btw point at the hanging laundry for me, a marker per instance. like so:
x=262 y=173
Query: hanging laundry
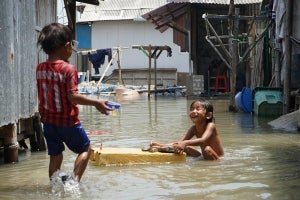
x=98 y=58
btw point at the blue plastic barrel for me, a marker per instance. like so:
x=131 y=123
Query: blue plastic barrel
x=243 y=100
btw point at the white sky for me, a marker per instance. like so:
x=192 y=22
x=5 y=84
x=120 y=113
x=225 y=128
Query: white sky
x=61 y=13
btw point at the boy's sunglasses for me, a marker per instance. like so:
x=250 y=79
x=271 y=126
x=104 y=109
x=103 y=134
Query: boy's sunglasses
x=74 y=45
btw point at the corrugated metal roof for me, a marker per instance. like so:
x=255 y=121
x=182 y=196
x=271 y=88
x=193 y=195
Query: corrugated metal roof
x=133 y=9
x=224 y=2
x=118 y=9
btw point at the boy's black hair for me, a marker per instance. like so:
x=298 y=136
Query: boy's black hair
x=207 y=105
x=54 y=36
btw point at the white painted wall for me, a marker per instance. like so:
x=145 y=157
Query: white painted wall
x=107 y=34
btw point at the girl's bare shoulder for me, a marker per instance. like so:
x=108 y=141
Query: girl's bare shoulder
x=211 y=125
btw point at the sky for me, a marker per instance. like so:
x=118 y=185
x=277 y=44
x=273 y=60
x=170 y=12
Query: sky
x=61 y=13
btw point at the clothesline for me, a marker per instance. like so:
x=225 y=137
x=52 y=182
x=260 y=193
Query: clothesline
x=93 y=51
x=113 y=57
x=97 y=58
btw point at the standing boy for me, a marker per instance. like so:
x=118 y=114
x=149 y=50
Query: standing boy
x=58 y=98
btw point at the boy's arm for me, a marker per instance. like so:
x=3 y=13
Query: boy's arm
x=83 y=100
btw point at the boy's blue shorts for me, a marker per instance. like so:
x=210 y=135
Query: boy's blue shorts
x=74 y=137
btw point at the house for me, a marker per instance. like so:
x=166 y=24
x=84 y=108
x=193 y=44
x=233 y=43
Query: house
x=20 y=24
x=208 y=28
x=247 y=36
x=119 y=23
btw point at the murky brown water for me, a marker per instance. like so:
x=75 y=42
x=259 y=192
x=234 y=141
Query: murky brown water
x=259 y=162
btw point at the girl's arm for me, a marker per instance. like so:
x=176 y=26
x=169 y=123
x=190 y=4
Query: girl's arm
x=158 y=144
x=210 y=129
x=190 y=133
x=180 y=146
x=187 y=136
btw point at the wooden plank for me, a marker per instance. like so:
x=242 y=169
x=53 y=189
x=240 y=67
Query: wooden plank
x=126 y=156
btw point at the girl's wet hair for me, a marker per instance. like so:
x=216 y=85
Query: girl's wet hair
x=54 y=36
x=207 y=105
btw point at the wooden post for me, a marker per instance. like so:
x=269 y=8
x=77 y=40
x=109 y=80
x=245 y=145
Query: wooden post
x=277 y=69
x=70 y=7
x=233 y=41
x=155 y=81
x=288 y=46
x=149 y=71
x=235 y=44
x=231 y=52
x=151 y=55
x=119 y=67
x=252 y=55
x=8 y=132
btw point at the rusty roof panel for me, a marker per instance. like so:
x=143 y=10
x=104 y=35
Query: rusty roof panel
x=163 y=15
x=94 y=2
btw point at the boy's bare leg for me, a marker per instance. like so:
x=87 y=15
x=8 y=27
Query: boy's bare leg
x=191 y=151
x=81 y=163
x=55 y=163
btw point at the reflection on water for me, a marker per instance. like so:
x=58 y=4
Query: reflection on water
x=259 y=162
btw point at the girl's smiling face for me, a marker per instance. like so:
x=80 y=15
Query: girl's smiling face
x=197 y=112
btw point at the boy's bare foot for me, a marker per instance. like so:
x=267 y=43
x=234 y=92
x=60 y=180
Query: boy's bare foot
x=166 y=149
x=163 y=149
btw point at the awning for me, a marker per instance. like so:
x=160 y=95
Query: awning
x=166 y=16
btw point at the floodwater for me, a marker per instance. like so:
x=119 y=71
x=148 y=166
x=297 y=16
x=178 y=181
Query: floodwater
x=259 y=162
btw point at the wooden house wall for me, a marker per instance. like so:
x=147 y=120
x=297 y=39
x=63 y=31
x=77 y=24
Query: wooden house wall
x=180 y=38
x=19 y=56
x=202 y=53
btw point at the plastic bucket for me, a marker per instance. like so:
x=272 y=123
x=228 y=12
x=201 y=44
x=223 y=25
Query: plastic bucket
x=81 y=77
x=267 y=101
